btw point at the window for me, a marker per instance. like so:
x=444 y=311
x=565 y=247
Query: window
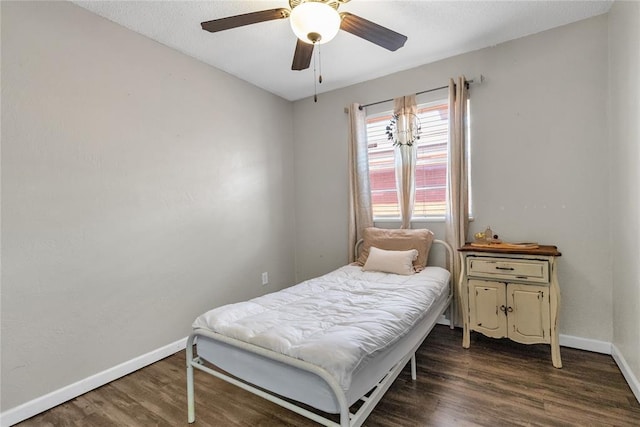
x=431 y=165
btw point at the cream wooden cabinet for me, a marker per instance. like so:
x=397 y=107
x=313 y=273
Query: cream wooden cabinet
x=511 y=294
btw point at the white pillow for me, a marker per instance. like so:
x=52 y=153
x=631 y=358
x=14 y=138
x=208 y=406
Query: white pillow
x=398 y=262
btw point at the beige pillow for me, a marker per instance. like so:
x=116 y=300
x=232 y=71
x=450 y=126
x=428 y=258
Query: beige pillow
x=398 y=262
x=397 y=240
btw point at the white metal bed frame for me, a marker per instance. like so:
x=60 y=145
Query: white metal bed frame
x=347 y=419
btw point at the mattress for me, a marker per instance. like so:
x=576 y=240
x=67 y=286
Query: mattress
x=356 y=325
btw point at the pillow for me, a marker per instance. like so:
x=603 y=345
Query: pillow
x=397 y=240
x=398 y=262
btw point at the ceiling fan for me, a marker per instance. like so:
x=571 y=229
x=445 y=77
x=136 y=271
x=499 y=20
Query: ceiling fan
x=314 y=22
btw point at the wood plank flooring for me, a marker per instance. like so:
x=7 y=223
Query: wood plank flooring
x=494 y=383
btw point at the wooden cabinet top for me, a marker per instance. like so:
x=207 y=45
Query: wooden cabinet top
x=545 y=250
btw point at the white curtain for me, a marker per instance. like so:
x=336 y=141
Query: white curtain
x=360 y=213
x=405 y=156
x=457 y=214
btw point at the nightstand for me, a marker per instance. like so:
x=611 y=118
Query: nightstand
x=511 y=293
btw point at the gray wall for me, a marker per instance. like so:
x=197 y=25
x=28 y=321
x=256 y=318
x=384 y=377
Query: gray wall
x=140 y=187
x=538 y=158
x=624 y=47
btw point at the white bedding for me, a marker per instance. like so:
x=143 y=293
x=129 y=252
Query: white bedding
x=336 y=321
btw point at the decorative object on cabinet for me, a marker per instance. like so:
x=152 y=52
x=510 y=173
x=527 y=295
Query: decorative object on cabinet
x=511 y=291
x=486 y=237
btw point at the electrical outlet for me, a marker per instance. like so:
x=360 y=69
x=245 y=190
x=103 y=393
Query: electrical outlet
x=265 y=278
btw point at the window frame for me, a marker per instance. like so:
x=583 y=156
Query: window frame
x=384 y=110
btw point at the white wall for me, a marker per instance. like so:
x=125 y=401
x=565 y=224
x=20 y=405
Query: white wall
x=140 y=187
x=539 y=159
x=624 y=48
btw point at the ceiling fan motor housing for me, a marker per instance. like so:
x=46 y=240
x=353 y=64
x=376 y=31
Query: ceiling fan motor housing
x=333 y=3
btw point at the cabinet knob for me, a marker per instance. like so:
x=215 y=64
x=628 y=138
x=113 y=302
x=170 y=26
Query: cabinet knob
x=505 y=309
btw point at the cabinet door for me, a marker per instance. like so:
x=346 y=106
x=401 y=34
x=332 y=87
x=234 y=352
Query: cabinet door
x=485 y=315
x=528 y=313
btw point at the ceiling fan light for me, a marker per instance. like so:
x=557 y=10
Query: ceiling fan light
x=314 y=19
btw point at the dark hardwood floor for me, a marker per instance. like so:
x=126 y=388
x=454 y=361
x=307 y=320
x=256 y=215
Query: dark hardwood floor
x=494 y=383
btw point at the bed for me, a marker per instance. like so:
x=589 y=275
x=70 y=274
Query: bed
x=329 y=342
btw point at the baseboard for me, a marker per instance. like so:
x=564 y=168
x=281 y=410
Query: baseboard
x=48 y=401
x=443 y=320
x=585 y=344
x=628 y=374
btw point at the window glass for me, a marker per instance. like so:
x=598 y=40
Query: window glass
x=431 y=166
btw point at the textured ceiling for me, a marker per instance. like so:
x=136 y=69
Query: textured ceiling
x=261 y=53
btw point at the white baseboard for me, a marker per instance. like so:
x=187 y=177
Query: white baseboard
x=628 y=374
x=585 y=344
x=48 y=401
x=443 y=320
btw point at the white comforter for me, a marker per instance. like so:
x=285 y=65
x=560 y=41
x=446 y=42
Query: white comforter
x=334 y=321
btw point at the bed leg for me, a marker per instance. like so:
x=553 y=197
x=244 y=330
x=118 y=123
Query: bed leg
x=452 y=315
x=345 y=420
x=191 y=405
x=414 y=374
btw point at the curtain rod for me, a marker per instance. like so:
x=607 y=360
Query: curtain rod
x=468 y=82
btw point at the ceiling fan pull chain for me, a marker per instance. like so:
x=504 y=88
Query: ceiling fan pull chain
x=315 y=85
x=320 y=64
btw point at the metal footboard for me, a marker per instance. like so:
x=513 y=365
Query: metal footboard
x=197 y=363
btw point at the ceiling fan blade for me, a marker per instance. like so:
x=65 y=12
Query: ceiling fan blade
x=302 y=56
x=372 y=32
x=245 y=19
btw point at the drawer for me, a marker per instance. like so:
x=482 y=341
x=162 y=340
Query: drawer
x=521 y=270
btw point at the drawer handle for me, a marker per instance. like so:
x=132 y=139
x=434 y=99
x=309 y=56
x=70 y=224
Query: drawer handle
x=505 y=268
